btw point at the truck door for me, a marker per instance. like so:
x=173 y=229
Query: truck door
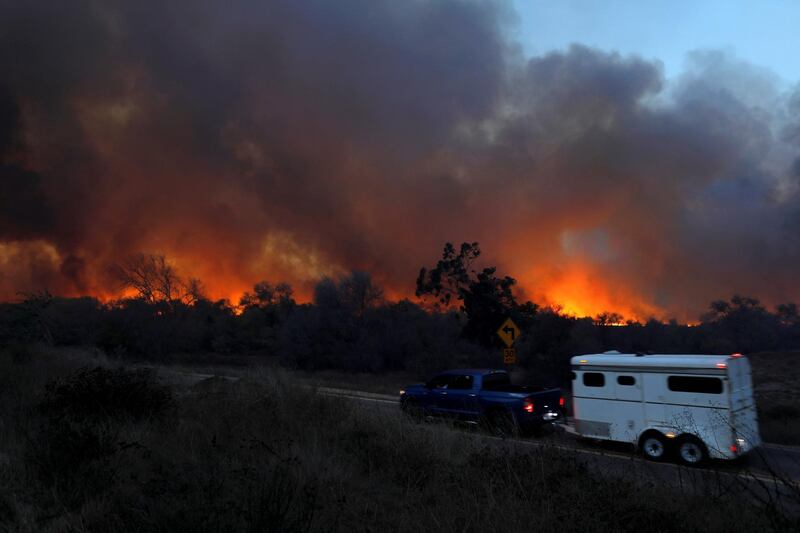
x=462 y=396
x=439 y=392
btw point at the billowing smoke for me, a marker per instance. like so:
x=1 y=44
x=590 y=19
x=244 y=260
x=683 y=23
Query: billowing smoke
x=287 y=140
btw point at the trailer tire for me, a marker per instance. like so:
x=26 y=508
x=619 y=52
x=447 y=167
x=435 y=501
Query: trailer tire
x=653 y=446
x=691 y=451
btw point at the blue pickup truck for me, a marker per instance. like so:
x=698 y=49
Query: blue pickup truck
x=486 y=397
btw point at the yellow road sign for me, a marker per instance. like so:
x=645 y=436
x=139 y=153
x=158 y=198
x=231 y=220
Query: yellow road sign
x=508 y=332
x=509 y=356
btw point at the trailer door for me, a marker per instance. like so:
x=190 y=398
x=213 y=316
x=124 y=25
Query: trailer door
x=744 y=418
x=655 y=398
x=628 y=408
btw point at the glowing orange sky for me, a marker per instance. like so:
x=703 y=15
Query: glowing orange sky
x=291 y=140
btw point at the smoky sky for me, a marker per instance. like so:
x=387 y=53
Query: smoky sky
x=289 y=140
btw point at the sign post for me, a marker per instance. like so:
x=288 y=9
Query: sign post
x=509 y=332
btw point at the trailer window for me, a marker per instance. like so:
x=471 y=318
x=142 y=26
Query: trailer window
x=626 y=380
x=694 y=384
x=594 y=379
x=461 y=382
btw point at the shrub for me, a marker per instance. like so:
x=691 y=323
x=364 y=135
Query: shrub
x=72 y=459
x=99 y=392
x=268 y=455
x=73 y=443
x=21 y=352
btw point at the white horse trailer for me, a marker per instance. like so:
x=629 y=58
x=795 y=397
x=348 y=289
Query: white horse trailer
x=699 y=406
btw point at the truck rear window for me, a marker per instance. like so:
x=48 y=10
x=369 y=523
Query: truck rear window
x=694 y=384
x=594 y=379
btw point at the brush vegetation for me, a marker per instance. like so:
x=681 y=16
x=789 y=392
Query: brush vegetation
x=87 y=446
x=349 y=329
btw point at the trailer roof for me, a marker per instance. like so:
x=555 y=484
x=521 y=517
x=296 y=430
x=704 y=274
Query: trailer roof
x=654 y=360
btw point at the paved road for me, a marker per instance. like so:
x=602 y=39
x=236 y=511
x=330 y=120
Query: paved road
x=770 y=472
x=769 y=464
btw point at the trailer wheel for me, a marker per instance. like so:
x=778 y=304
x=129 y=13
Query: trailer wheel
x=653 y=446
x=691 y=451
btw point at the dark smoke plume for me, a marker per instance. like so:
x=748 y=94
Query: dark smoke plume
x=286 y=140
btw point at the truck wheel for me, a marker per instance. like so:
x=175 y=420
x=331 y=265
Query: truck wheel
x=412 y=410
x=691 y=451
x=502 y=424
x=654 y=447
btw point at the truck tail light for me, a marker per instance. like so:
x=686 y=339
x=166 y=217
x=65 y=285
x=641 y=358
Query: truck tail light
x=527 y=405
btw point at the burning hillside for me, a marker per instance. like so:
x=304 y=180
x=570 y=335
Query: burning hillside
x=288 y=140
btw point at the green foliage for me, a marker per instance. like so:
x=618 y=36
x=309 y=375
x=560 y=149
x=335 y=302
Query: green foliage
x=451 y=276
x=486 y=299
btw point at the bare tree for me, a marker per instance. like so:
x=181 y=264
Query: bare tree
x=193 y=291
x=151 y=276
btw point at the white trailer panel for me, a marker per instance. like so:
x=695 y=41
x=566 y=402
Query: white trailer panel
x=701 y=404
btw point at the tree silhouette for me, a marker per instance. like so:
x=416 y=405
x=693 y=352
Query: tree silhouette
x=608 y=319
x=352 y=294
x=743 y=324
x=485 y=298
x=155 y=279
x=265 y=294
x=788 y=314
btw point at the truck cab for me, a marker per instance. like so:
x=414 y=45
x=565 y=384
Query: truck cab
x=485 y=396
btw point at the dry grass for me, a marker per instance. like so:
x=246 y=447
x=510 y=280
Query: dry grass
x=776 y=380
x=776 y=377
x=262 y=454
